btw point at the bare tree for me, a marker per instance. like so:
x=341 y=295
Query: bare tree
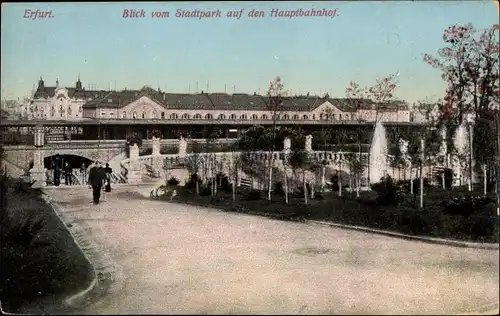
x=276 y=95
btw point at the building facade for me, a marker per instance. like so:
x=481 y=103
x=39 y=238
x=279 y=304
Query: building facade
x=76 y=103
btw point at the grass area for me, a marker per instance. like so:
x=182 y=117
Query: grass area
x=40 y=261
x=439 y=218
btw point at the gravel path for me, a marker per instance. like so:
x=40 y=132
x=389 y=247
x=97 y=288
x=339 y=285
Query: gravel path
x=173 y=259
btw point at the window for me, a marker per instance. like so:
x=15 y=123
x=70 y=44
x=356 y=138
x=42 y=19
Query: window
x=111 y=114
x=340 y=117
x=334 y=116
x=153 y=114
x=254 y=117
x=296 y=117
x=264 y=117
x=124 y=115
x=197 y=116
x=208 y=117
x=134 y=115
x=103 y=114
x=186 y=116
x=314 y=116
x=222 y=116
x=143 y=115
x=243 y=117
x=353 y=117
x=162 y=115
x=286 y=117
x=233 y=116
x=173 y=116
x=323 y=116
x=304 y=117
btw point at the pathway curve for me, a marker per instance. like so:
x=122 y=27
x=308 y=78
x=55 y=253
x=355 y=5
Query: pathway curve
x=172 y=259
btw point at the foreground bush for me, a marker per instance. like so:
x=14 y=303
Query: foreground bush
x=39 y=258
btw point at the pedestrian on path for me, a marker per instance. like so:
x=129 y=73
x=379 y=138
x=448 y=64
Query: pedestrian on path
x=108 y=172
x=96 y=181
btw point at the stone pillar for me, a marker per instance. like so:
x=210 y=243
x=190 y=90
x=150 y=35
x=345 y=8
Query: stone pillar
x=134 y=175
x=156 y=146
x=157 y=162
x=182 y=148
x=308 y=146
x=287 y=145
x=37 y=173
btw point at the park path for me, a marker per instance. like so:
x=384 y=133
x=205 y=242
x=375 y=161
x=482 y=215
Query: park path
x=175 y=259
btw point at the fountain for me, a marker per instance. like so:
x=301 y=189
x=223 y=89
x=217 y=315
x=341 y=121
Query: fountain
x=378 y=154
x=460 y=142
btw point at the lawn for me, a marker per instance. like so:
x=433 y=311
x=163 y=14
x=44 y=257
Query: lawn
x=443 y=215
x=40 y=262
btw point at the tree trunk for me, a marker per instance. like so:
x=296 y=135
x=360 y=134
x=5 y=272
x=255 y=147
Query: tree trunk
x=323 y=175
x=485 y=183
x=358 y=184
x=340 y=178
x=270 y=183
x=304 y=185
x=411 y=178
x=286 y=186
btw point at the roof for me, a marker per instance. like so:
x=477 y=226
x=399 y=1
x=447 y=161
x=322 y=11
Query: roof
x=207 y=101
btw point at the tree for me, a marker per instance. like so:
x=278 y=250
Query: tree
x=193 y=163
x=376 y=97
x=276 y=95
x=298 y=161
x=469 y=64
x=211 y=133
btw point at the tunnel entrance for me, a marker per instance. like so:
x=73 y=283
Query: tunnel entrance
x=60 y=160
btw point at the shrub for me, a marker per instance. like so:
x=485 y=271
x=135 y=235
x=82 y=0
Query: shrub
x=253 y=195
x=191 y=183
x=335 y=183
x=206 y=189
x=173 y=181
x=278 y=189
x=387 y=191
x=466 y=205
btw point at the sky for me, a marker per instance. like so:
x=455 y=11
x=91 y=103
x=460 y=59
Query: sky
x=364 y=41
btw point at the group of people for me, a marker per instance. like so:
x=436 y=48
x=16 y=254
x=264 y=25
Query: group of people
x=65 y=172
x=99 y=177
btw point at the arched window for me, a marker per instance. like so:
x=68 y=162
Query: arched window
x=233 y=116
x=353 y=117
x=124 y=115
x=222 y=116
x=208 y=116
x=295 y=116
x=285 y=116
x=143 y=115
x=134 y=115
x=197 y=116
x=162 y=115
x=304 y=117
x=173 y=116
x=254 y=117
x=264 y=117
x=340 y=117
x=314 y=116
x=243 y=117
x=153 y=114
x=186 y=116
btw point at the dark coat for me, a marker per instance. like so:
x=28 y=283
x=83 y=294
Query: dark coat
x=96 y=176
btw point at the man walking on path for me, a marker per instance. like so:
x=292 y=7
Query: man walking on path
x=96 y=181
